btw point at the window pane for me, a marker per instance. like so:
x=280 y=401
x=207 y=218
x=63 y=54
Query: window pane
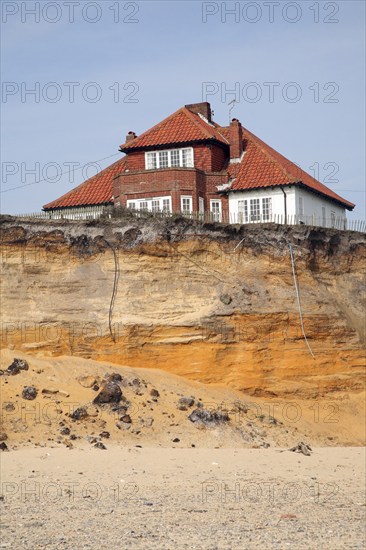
x=174 y=157
x=155 y=205
x=150 y=161
x=186 y=204
x=216 y=210
x=166 y=205
x=243 y=211
x=144 y=205
x=163 y=159
x=266 y=208
x=187 y=157
x=132 y=205
x=254 y=210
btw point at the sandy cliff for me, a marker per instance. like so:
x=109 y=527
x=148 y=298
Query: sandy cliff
x=213 y=304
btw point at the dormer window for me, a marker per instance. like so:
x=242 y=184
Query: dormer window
x=169 y=158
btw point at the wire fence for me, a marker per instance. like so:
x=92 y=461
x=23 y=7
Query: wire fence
x=96 y=212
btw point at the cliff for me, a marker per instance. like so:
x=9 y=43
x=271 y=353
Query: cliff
x=216 y=304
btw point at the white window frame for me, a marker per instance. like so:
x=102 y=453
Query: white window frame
x=156 y=164
x=189 y=198
x=136 y=204
x=243 y=216
x=266 y=217
x=255 y=212
x=244 y=210
x=216 y=215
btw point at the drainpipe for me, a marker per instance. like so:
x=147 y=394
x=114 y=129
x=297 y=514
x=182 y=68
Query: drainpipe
x=285 y=202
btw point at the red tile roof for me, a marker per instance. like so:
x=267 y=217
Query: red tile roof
x=262 y=166
x=95 y=190
x=181 y=127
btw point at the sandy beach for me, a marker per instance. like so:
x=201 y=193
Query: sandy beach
x=183 y=498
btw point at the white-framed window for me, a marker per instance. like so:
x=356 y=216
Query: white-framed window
x=243 y=211
x=266 y=209
x=169 y=158
x=163 y=159
x=155 y=204
x=255 y=211
x=187 y=157
x=174 y=157
x=150 y=161
x=186 y=204
x=215 y=209
x=167 y=205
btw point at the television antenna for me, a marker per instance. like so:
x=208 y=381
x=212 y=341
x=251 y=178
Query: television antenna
x=232 y=103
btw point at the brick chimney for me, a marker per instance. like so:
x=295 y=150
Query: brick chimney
x=236 y=139
x=201 y=109
x=130 y=136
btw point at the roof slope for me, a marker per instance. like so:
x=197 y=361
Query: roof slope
x=95 y=190
x=181 y=127
x=262 y=166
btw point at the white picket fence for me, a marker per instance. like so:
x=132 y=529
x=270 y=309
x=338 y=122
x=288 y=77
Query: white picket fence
x=82 y=213
x=95 y=212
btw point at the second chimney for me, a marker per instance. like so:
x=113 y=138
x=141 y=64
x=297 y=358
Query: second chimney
x=203 y=109
x=130 y=136
x=236 y=139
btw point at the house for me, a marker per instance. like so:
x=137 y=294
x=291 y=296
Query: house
x=188 y=163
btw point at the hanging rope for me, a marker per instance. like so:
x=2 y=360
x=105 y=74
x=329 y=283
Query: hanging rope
x=298 y=301
x=114 y=291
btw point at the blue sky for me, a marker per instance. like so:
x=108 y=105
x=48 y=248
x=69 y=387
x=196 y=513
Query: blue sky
x=134 y=63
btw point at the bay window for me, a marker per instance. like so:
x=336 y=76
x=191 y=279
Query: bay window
x=156 y=204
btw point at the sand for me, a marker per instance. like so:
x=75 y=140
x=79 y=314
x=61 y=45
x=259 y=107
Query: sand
x=331 y=420
x=183 y=498
x=164 y=482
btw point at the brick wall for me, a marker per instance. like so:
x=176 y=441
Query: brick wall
x=200 y=181
x=172 y=182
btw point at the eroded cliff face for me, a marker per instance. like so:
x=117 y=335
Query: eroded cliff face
x=214 y=304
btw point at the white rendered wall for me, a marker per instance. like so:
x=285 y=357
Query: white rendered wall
x=312 y=205
x=277 y=196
